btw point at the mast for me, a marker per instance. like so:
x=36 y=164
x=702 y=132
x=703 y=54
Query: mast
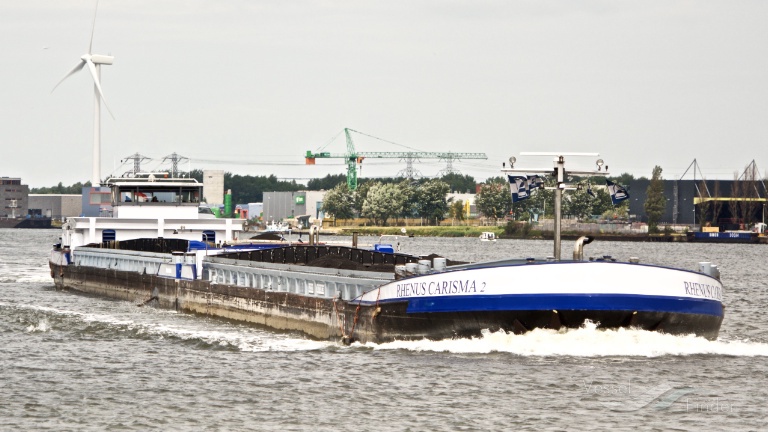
x=560 y=175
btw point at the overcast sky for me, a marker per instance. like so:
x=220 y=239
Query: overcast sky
x=259 y=83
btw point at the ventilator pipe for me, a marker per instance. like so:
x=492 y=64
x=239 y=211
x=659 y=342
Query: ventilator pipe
x=578 y=248
x=314 y=235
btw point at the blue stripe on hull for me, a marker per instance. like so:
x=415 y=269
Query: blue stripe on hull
x=565 y=302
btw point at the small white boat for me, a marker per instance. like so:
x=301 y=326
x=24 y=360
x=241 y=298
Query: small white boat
x=488 y=237
x=277 y=227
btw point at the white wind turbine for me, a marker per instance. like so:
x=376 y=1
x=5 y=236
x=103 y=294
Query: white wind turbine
x=94 y=62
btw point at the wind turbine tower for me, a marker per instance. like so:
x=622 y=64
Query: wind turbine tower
x=94 y=62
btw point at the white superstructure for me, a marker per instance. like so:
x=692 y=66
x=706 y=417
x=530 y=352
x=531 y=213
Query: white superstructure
x=151 y=206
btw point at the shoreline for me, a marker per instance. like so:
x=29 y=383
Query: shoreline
x=475 y=231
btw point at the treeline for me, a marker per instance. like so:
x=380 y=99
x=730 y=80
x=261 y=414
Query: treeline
x=493 y=201
x=457 y=183
x=76 y=189
x=248 y=189
x=381 y=202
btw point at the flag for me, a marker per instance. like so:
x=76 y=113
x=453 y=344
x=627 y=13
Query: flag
x=618 y=192
x=518 y=188
x=535 y=182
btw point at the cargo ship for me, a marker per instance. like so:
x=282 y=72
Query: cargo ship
x=159 y=252
x=713 y=235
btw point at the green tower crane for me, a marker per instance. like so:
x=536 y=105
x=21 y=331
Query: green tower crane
x=353 y=158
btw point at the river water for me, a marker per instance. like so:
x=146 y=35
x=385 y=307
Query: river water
x=73 y=362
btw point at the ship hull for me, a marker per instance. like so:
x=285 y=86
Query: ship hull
x=724 y=237
x=386 y=319
x=36 y=223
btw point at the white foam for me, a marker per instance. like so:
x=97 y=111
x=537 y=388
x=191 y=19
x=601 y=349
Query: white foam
x=34 y=278
x=247 y=339
x=244 y=339
x=26 y=274
x=587 y=341
x=42 y=326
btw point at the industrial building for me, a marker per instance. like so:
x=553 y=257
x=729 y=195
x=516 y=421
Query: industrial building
x=729 y=204
x=55 y=206
x=213 y=187
x=284 y=205
x=13 y=198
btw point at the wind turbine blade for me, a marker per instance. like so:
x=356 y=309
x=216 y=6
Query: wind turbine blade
x=93 y=27
x=95 y=75
x=74 y=70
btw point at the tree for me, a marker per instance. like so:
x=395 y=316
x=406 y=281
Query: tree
x=382 y=202
x=410 y=199
x=76 y=189
x=430 y=202
x=541 y=202
x=717 y=205
x=623 y=179
x=456 y=210
x=360 y=194
x=247 y=188
x=494 y=199
x=602 y=204
x=655 y=201
x=704 y=208
x=578 y=204
x=744 y=196
x=328 y=182
x=339 y=202
x=459 y=183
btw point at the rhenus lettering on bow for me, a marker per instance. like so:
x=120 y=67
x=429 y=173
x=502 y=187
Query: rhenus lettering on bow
x=439 y=288
x=703 y=290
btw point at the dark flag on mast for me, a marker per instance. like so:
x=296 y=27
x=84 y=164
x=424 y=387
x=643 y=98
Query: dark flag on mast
x=535 y=182
x=618 y=192
x=518 y=187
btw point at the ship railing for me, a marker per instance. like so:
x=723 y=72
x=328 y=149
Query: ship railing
x=291 y=278
x=123 y=260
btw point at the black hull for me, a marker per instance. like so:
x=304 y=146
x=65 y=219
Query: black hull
x=393 y=322
x=35 y=223
x=698 y=237
x=342 y=320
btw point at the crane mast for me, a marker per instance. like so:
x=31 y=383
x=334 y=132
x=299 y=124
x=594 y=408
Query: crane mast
x=353 y=158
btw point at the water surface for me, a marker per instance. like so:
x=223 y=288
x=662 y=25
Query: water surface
x=74 y=362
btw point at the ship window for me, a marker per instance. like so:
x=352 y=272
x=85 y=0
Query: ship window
x=209 y=236
x=190 y=195
x=108 y=235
